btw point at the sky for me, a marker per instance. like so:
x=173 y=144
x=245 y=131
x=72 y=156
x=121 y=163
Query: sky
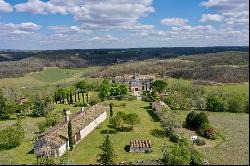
x=88 y=24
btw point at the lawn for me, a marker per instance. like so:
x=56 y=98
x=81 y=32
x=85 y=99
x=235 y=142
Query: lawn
x=239 y=88
x=87 y=150
x=49 y=75
x=235 y=148
x=22 y=154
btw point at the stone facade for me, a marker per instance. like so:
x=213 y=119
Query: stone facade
x=137 y=83
x=55 y=141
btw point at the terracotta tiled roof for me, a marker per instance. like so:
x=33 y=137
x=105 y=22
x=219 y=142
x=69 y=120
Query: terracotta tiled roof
x=58 y=135
x=140 y=144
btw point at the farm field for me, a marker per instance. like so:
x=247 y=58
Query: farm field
x=49 y=75
x=239 y=88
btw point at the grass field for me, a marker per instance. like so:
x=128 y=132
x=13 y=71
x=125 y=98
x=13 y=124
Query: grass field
x=50 y=75
x=234 y=150
x=22 y=154
x=87 y=150
x=239 y=88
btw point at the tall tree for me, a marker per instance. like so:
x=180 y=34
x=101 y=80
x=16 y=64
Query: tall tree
x=159 y=86
x=78 y=96
x=70 y=98
x=111 y=109
x=107 y=155
x=87 y=97
x=83 y=98
x=38 y=107
x=104 y=90
x=70 y=135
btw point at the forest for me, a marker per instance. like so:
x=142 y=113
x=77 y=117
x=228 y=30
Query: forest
x=17 y=63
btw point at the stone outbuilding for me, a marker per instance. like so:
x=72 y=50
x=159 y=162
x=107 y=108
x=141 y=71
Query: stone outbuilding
x=55 y=142
x=140 y=146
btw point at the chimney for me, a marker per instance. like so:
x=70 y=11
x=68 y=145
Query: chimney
x=67 y=115
x=82 y=109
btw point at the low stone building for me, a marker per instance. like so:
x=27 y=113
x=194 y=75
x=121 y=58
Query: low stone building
x=55 y=141
x=141 y=146
x=158 y=106
x=137 y=83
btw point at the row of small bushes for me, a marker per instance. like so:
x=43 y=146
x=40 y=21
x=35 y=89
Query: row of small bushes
x=182 y=155
x=227 y=103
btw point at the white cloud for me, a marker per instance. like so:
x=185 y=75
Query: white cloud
x=211 y=17
x=174 y=21
x=40 y=7
x=104 y=38
x=68 y=29
x=5 y=7
x=93 y=13
x=227 y=5
x=29 y=26
x=23 y=31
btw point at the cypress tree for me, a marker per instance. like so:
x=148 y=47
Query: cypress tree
x=71 y=98
x=107 y=155
x=75 y=97
x=59 y=98
x=68 y=98
x=111 y=109
x=70 y=135
x=87 y=95
x=78 y=96
x=63 y=97
x=55 y=97
x=83 y=100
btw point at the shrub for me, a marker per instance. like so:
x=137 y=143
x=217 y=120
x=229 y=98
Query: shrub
x=79 y=104
x=11 y=136
x=201 y=120
x=132 y=119
x=196 y=157
x=207 y=132
x=178 y=155
x=122 y=118
x=196 y=121
x=190 y=120
x=42 y=126
x=94 y=101
x=53 y=117
x=200 y=142
x=170 y=120
x=179 y=138
x=215 y=104
x=236 y=103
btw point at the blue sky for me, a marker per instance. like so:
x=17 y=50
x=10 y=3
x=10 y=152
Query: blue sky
x=67 y=24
